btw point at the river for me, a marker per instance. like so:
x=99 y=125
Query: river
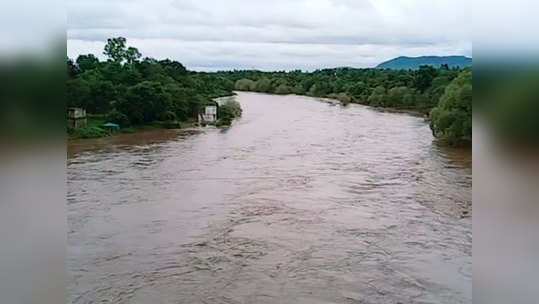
x=298 y=201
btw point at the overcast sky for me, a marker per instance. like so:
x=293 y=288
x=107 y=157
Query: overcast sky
x=274 y=34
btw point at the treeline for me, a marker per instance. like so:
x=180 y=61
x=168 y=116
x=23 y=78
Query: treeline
x=133 y=91
x=419 y=90
x=128 y=90
x=406 y=89
x=451 y=119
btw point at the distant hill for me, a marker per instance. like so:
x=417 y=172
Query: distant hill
x=405 y=63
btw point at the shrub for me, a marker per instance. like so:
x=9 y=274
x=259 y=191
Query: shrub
x=263 y=85
x=245 y=85
x=228 y=111
x=451 y=120
x=377 y=97
x=90 y=132
x=118 y=118
x=342 y=97
x=282 y=89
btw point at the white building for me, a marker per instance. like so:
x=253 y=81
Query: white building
x=210 y=114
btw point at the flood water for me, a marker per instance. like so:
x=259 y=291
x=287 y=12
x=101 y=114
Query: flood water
x=298 y=201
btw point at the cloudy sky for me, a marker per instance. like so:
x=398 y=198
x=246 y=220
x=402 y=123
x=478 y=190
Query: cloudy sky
x=273 y=35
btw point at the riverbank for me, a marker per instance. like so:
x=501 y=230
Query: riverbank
x=411 y=111
x=333 y=99
x=95 y=128
x=95 y=122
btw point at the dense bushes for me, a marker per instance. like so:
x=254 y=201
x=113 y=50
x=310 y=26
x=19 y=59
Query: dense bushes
x=283 y=89
x=133 y=91
x=229 y=110
x=118 y=118
x=344 y=98
x=404 y=89
x=245 y=85
x=419 y=90
x=451 y=120
x=89 y=132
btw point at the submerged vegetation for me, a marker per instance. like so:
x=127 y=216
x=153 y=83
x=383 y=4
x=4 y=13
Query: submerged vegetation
x=228 y=111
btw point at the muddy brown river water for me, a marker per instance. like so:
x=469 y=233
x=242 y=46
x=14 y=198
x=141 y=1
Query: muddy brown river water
x=298 y=202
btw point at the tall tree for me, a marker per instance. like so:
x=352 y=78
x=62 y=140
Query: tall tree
x=87 y=62
x=132 y=55
x=115 y=49
x=452 y=118
x=424 y=77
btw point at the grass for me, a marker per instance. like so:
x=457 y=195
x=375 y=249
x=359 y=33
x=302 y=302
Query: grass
x=95 y=121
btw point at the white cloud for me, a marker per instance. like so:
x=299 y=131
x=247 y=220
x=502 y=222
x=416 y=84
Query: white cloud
x=272 y=35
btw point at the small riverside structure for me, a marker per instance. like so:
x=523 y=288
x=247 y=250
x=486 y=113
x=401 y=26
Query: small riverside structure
x=210 y=114
x=76 y=118
x=111 y=127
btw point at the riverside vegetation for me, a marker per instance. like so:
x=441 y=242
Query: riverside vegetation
x=443 y=94
x=136 y=93
x=132 y=91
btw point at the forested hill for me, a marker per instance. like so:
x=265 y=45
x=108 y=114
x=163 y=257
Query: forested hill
x=413 y=63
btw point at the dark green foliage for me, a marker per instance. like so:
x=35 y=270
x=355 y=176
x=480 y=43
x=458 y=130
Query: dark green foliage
x=344 y=98
x=87 y=62
x=424 y=77
x=147 y=90
x=72 y=69
x=320 y=89
x=244 y=85
x=378 y=97
x=115 y=49
x=117 y=117
x=227 y=112
x=417 y=90
x=132 y=55
x=283 y=89
x=90 y=132
x=134 y=91
x=399 y=96
x=451 y=120
x=145 y=102
x=263 y=86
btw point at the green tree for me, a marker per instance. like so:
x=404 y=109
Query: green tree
x=72 y=69
x=282 y=89
x=228 y=111
x=145 y=102
x=132 y=55
x=115 y=49
x=319 y=89
x=378 y=96
x=451 y=120
x=263 y=85
x=87 y=62
x=118 y=117
x=244 y=85
x=424 y=76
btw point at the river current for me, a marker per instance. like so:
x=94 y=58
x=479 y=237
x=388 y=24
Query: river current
x=299 y=201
